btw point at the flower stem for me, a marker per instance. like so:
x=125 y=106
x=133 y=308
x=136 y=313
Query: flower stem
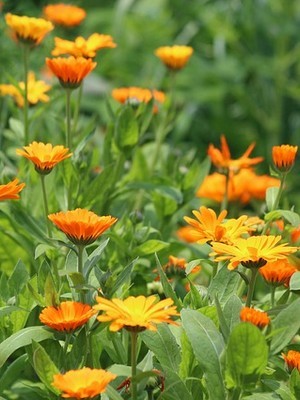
x=254 y=272
x=68 y=119
x=280 y=191
x=65 y=349
x=134 y=336
x=25 y=108
x=46 y=205
x=272 y=290
x=77 y=108
x=80 y=249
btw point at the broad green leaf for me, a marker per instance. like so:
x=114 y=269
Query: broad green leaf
x=163 y=190
x=292 y=217
x=263 y=396
x=123 y=277
x=18 y=278
x=150 y=247
x=280 y=388
x=111 y=394
x=232 y=310
x=175 y=388
x=6 y=310
x=271 y=195
x=126 y=129
x=94 y=257
x=295 y=281
x=223 y=285
x=14 y=369
x=196 y=174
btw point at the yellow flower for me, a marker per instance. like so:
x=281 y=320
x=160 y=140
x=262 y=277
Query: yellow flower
x=83 y=47
x=292 y=359
x=278 y=272
x=253 y=252
x=27 y=29
x=11 y=190
x=85 y=383
x=284 y=156
x=174 y=57
x=136 y=313
x=44 y=156
x=64 y=14
x=255 y=317
x=81 y=226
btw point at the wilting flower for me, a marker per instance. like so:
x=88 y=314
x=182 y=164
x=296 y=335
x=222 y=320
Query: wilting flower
x=82 y=227
x=253 y=252
x=11 y=190
x=174 y=57
x=70 y=71
x=83 y=47
x=278 y=272
x=135 y=95
x=284 y=156
x=28 y=29
x=67 y=317
x=292 y=359
x=255 y=317
x=85 y=383
x=64 y=14
x=136 y=313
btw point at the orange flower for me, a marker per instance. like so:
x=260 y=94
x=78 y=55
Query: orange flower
x=85 y=383
x=253 y=252
x=255 y=317
x=284 y=156
x=186 y=233
x=136 y=313
x=292 y=360
x=81 y=47
x=67 y=317
x=135 y=95
x=174 y=57
x=278 y=272
x=177 y=266
x=11 y=190
x=82 y=227
x=295 y=235
x=44 y=156
x=64 y=14
x=222 y=158
x=70 y=71
x=27 y=29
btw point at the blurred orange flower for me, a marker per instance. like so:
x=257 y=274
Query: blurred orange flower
x=292 y=359
x=174 y=57
x=278 y=272
x=284 y=156
x=135 y=95
x=85 y=383
x=186 y=233
x=11 y=190
x=255 y=317
x=64 y=14
x=295 y=235
x=177 y=266
x=82 y=227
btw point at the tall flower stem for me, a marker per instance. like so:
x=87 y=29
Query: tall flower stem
x=46 y=208
x=65 y=349
x=272 y=290
x=26 y=50
x=68 y=118
x=77 y=108
x=80 y=249
x=254 y=272
x=134 y=336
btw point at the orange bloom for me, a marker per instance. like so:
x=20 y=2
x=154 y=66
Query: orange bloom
x=70 y=71
x=136 y=313
x=295 y=235
x=44 y=156
x=82 y=227
x=278 y=272
x=255 y=317
x=64 y=14
x=186 y=233
x=292 y=359
x=135 y=95
x=67 y=317
x=85 y=383
x=177 y=266
x=253 y=252
x=27 y=29
x=284 y=156
x=11 y=190
x=174 y=57
x=81 y=47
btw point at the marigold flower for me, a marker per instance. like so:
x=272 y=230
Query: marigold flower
x=177 y=266
x=70 y=71
x=284 y=157
x=278 y=272
x=28 y=29
x=174 y=57
x=255 y=317
x=11 y=190
x=135 y=95
x=83 y=47
x=85 y=383
x=295 y=235
x=67 y=317
x=292 y=359
x=82 y=227
x=136 y=313
x=186 y=233
x=64 y=14
x=253 y=252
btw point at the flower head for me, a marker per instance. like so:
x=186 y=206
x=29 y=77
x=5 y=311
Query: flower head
x=292 y=359
x=278 y=272
x=255 y=317
x=135 y=95
x=284 y=156
x=84 y=383
x=11 y=190
x=82 y=227
x=136 y=313
x=81 y=47
x=64 y=14
x=174 y=57
x=177 y=266
x=28 y=29
x=70 y=71
x=253 y=252
x=44 y=156
x=67 y=317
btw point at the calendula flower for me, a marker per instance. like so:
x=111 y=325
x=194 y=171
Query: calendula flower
x=136 y=313
x=253 y=252
x=284 y=157
x=28 y=29
x=67 y=317
x=64 y=14
x=44 y=156
x=278 y=272
x=85 y=383
x=295 y=235
x=255 y=317
x=135 y=95
x=70 y=71
x=82 y=227
x=11 y=190
x=177 y=266
x=81 y=47
x=174 y=57
x=292 y=359
x=186 y=233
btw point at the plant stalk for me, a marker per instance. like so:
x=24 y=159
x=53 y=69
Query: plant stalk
x=134 y=336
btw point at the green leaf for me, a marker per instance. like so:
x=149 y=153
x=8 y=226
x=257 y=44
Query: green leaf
x=223 y=285
x=295 y=281
x=163 y=190
x=126 y=132
x=292 y=217
x=263 y=396
x=94 y=257
x=280 y=388
x=111 y=393
x=150 y=247
x=271 y=195
x=196 y=174
x=175 y=388
x=16 y=368
x=232 y=310
x=18 y=278
x=123 y=277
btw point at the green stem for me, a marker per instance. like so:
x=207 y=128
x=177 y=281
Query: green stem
x=68 y=119
x=46 y=205
x=254 y=272
x=80 y=249
x=25 y=108
x=272 y=290
x=134 y=336
x=65 y=349
x=77 y=108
